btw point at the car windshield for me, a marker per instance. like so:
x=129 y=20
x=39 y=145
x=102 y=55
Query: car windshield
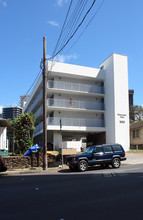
x=89 y=150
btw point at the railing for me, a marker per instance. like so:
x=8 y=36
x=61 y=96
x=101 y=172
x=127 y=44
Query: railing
x=35 y=102
x=51 y=121
x=76 y=122
x=76 y=87
x=38 y=112
x=63 y=103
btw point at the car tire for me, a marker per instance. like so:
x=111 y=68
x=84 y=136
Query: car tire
x=116 y=163
x=82 y=165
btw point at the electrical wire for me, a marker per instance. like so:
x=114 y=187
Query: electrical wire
x=74 y=31
x=86 y=27
x=63 y=26
x=72 y=23
x=38 y=75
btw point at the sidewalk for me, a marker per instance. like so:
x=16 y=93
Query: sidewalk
x=132 y=158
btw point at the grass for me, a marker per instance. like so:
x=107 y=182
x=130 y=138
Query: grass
x=135 y=151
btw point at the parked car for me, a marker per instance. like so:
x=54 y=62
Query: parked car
x=103 y=155
x=3 y=167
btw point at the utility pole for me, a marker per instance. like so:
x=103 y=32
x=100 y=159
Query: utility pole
x=44 y=106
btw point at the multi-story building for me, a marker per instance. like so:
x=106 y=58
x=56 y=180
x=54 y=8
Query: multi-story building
x=131 y=103
x=11 y=112
x=131 y=97
x=23 y=100
x=89 y=102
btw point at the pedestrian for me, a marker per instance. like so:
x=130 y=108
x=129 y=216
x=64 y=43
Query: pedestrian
x=70 y=102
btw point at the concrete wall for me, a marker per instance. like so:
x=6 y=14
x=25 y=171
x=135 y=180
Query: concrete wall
x=116 y=100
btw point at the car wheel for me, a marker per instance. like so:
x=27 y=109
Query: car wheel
x=82 y=165
x=116 y=163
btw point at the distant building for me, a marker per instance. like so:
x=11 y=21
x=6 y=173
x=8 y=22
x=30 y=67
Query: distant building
x=5 y=134
x=23 y=100
x=131 y=97
x=11 y=112
x=84 y=102
x=131 y=103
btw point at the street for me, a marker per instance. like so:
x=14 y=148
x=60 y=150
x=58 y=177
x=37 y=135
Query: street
x=96 y=194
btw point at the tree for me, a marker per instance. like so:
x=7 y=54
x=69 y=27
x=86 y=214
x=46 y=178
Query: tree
x=24 y=132
x=136 y=112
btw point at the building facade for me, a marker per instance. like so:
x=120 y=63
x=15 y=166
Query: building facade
x=84 y=102
x=23 y=100
x=136 y=135
x=11 y=112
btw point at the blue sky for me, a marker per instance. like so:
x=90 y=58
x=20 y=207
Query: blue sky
x=116 y=28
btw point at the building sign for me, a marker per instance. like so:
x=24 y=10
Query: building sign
x=122 y=118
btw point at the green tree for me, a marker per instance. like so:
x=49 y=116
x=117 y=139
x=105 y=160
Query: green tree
x=24 y=132
x=136 y=113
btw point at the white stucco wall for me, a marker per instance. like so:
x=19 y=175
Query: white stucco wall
x=3 y=145
x=116 y=100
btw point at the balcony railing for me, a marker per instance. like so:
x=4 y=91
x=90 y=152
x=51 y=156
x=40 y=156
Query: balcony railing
x=76 y=122
x=63 y=103
x=35 y=101
x=51 y=121
x=76 y=87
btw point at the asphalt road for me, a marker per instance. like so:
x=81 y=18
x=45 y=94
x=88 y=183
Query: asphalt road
x=95 y=194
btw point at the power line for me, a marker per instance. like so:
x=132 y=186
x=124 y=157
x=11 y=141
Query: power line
x=39 y=73
x=71 y=24
x=74 y=31
x=86 y=26
x=63 y=26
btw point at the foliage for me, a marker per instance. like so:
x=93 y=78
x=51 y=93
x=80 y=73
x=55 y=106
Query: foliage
x=24 y=132
x=136 y=113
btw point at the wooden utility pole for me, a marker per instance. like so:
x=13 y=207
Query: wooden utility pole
x=44 y=106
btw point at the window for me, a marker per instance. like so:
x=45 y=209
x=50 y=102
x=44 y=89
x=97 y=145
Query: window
x=99 y=150
x=108 y=149
x=117 y=148
x=136 y=133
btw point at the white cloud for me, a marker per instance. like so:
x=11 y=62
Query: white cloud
x=1 y=109
x=61 y=2
x=53 y=23
x=3 y=3
x=64 y=58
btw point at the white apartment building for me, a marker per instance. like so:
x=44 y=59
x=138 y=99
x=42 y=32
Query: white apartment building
x=91 y=103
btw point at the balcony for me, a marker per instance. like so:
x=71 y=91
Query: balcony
x=75 y=105
x=70 y=122
x=76 y=122
x=67 y=86
x=35 y=102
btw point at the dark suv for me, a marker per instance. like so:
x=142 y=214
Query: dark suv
x=102 y=155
